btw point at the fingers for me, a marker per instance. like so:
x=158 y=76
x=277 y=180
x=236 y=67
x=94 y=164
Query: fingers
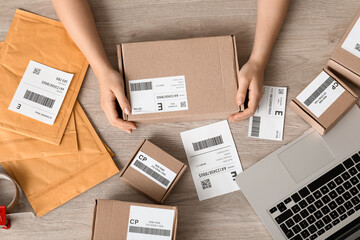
x=242 y=90
x=254 y=99
x=108 y=104
x=123 y=101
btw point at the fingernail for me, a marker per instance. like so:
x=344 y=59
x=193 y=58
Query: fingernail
x=240 y=101
x=129 y=131
x=127 y=111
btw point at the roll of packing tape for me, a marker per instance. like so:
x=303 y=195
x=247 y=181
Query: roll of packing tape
x=15 y=200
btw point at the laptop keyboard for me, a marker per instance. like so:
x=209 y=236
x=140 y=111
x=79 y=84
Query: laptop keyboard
x=322 y=204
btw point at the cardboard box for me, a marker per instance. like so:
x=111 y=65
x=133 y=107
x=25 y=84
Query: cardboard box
x=152 y=172
x=117 y=220
x=180 y=80
x=345 y=59
x=324 y=101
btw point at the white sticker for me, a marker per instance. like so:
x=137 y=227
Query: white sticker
x=152 y=95
x=352 y=41
x=153 y=169
x=146 y=223
x=41 y=92
x=268 y=120
x=320 y=94
x=213 y=159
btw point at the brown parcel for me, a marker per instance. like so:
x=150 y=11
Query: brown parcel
x=111 y=219
x=331 y=115
x=344 y=62
x=144 y=184
x=209 y=65
x=32 y=37
x=49 y=182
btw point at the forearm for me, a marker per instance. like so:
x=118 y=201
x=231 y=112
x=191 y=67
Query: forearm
x=78 y=20
x=270 y=17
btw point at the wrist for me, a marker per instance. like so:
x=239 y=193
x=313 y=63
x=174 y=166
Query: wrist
x=259 y=62
x=102 y=70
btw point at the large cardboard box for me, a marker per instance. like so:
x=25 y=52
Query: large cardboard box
x=180 y=80
x=117 y=220
x=345 y=59
x=152 y=172
x=324 y=101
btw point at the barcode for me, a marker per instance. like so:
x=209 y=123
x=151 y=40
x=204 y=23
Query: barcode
x=151 y=173
x=357 y=47
x=36 y=71
x=255 y=128
x=149 y=231
x=210 y=142
x=140 y=86
x=41 y=99
x=206 y=184
x=318 y=91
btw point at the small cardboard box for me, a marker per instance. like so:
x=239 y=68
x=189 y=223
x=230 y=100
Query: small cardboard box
x=152 y=172
x=117 y=220
x=324 y=101
x=180 y=80
x=345 y=59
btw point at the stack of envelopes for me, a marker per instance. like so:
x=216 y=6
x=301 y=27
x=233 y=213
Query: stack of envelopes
x=52 y=163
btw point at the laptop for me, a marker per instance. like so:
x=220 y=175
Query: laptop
x=310 y=188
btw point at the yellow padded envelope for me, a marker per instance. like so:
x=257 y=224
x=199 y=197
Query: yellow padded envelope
x=49 y=182
x=33 y=37
x=14 y=146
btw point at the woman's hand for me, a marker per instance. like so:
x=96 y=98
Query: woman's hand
x=251 y=77
x=111 y=89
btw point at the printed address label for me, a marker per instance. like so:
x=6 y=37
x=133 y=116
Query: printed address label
x=152 y=169
x=41 y=92
x=352 y=41
x=152 y=95
x=320 y=94
x=146 y=223
x=268 y=120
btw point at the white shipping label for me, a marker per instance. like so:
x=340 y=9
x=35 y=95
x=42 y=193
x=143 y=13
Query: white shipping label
x=152 y=95
x=146 y=223
x=268 y=120
x=352 y=41
x=153 y=169
x=213 y=159
x=41 y=92
x=320 y=94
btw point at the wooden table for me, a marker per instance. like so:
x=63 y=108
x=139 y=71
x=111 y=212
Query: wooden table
x=309 y=35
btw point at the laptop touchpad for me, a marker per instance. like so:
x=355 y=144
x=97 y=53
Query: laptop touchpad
x=306 y=156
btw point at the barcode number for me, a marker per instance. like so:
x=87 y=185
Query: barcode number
x=40 y=99
x=151 y=173
x=210 y=142
x=205 y=184
x=318 y=91
x=149 y=231
x=255 y=129
x=140 y=86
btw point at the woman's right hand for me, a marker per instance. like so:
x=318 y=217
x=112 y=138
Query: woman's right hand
x=111 y=89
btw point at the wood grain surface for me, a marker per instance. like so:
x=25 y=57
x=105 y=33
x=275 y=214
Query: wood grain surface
x=309 y=35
